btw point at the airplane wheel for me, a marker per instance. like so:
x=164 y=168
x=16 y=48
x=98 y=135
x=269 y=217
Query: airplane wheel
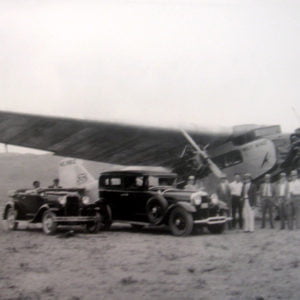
x=11 y=216
x=181 y=222
x=49 y=224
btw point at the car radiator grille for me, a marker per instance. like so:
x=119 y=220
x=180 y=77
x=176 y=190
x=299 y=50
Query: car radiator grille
x=72 y=206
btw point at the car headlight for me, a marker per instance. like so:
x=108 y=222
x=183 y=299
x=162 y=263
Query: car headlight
x=196 y=198
x=62 y=200
x=86 y=200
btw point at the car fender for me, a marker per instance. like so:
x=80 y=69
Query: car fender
x=39 y=214
x=187 y=206
x=8 y=205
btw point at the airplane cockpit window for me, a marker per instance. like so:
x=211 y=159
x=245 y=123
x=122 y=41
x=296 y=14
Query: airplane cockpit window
x=228 y=159
x=244 y=138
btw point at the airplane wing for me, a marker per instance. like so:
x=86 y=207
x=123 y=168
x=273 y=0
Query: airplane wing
x=99 y=141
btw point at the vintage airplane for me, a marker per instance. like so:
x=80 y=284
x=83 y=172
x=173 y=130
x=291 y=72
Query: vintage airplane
x=254 y=149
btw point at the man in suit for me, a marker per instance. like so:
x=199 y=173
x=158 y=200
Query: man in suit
x=224 y=194
x=267 y=194
x=294 y=189
x=236 y=192
x=284 y=203
x=249 y=203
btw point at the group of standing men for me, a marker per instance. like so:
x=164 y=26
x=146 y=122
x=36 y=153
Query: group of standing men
x=242 y=196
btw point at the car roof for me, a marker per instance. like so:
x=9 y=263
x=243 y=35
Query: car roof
x=139 y=173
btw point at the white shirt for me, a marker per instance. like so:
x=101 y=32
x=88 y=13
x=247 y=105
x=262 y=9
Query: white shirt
x=267 y=190
x=295 y=187
x=246 y=189
x=236 y=188
x=282 y=189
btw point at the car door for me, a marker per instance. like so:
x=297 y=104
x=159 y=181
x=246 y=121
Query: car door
x=29 y=204
x=113 y=193
x=137 y=197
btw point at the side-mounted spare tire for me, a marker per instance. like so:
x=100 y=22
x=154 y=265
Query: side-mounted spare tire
x=156 y=208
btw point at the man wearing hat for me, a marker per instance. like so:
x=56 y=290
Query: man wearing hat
x=294 y=187
x=190 y=186
x=224 y=194
x=283 y=200
x=249 y=202
x=267 y=193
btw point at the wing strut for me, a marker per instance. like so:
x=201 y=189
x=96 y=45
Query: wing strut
x=212 y=166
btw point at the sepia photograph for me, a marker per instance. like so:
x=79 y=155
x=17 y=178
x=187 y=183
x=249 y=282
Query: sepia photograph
x=149 y=149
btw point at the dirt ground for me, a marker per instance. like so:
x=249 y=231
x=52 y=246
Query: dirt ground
x=149 y=264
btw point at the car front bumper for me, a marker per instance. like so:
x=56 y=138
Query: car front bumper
x=213 y=220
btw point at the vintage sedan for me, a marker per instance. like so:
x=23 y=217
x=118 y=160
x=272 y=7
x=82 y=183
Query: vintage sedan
x=52 y=208
x=151 y=198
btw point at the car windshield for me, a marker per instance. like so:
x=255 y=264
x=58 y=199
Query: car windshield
x=161 y=181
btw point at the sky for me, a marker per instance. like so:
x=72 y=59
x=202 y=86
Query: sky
x=210 y=63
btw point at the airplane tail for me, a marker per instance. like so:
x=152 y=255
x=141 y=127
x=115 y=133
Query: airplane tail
x=72 y=174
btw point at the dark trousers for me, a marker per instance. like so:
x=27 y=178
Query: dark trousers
x=237 y=207
x=267 y=207
x=286 y=213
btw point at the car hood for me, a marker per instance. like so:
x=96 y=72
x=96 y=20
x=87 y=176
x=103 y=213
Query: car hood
x=178 y=194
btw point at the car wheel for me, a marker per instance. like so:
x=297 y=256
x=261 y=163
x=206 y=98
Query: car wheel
x=49 y=224
x=106 y=217
x=216 y=229
x=11 y=216
x=156 y=209
x=180 y=222
x=95 y=226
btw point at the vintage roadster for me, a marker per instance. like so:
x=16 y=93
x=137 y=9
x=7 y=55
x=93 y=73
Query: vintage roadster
x=52 y=208
x=151 y=198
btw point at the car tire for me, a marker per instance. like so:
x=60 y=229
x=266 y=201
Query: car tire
x=95 y=226
x=48 y=222
x=216 y=229
x=106 y=217
x=156 y=210
x=11 y=217
x=180 y=222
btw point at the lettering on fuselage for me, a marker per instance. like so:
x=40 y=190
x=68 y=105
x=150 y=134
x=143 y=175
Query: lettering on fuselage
x=81 y=178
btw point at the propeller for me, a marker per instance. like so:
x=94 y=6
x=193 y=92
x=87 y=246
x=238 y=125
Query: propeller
x=202 y=153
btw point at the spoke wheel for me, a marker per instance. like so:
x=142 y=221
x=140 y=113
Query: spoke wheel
x=180 y=222
x=49 y=224
x=11 y=216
